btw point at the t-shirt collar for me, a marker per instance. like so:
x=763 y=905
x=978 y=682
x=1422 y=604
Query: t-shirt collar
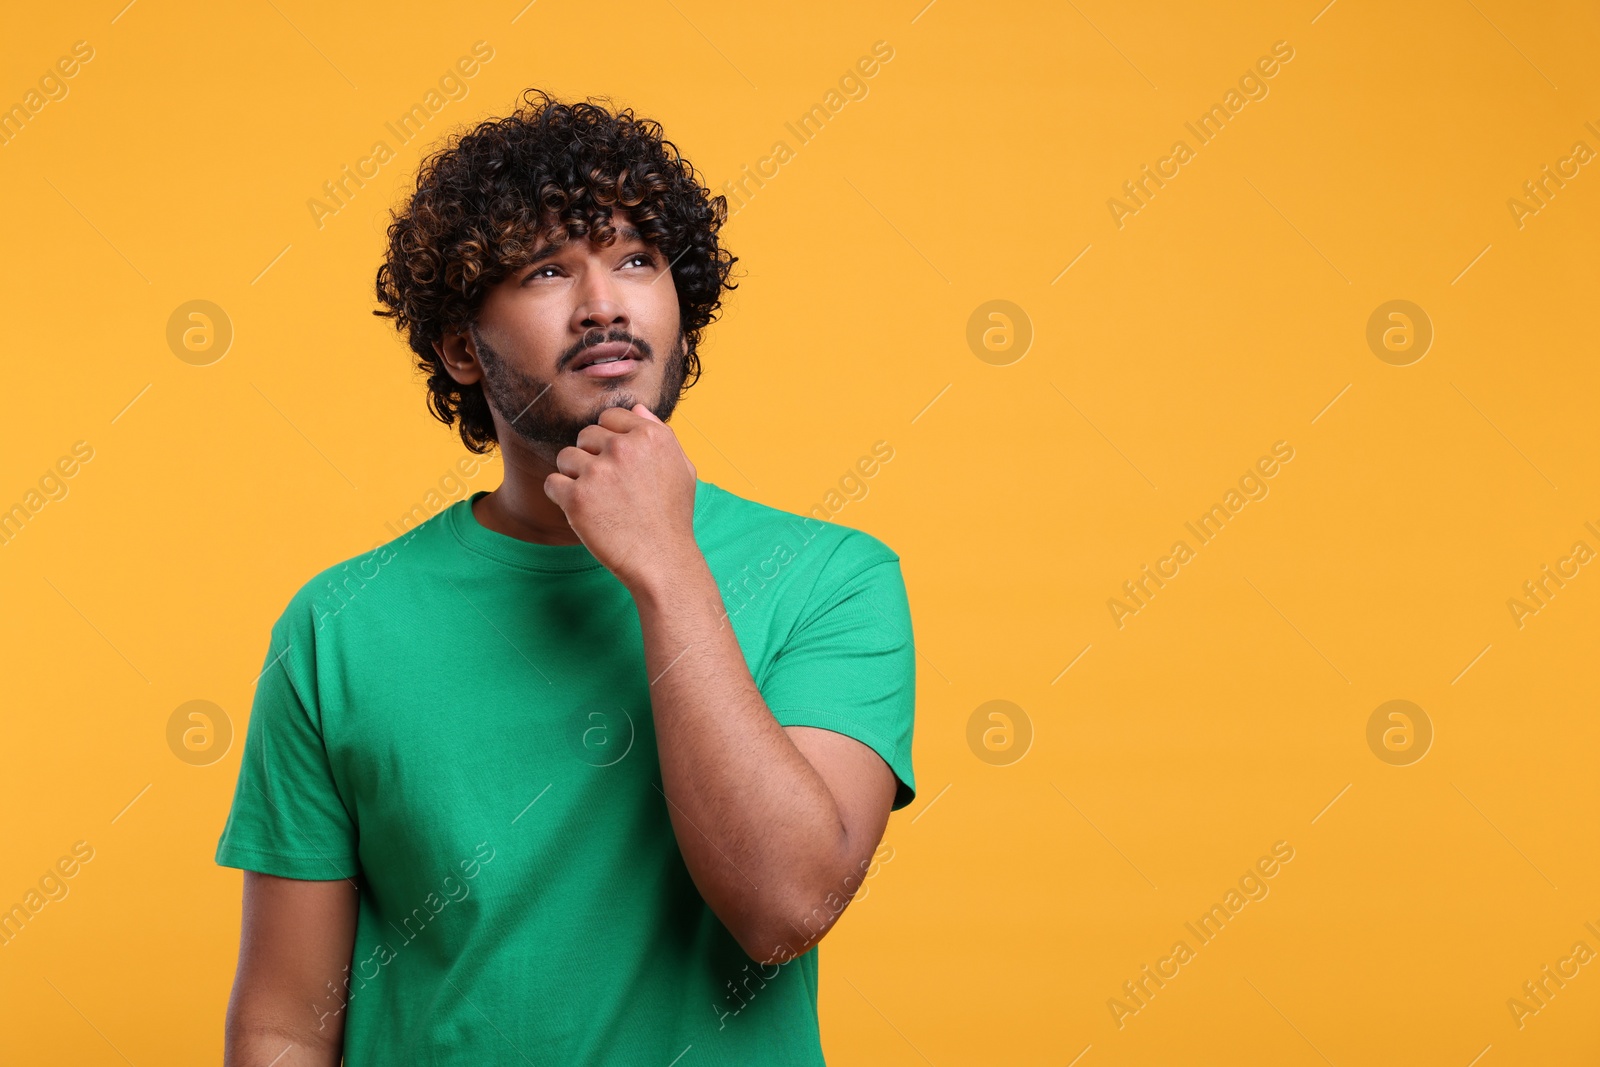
x=529 y=555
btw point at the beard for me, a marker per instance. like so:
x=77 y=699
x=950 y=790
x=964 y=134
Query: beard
x=529 y=404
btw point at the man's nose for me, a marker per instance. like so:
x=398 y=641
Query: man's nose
x=598 y=303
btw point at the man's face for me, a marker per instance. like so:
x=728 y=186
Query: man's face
x=539 y=326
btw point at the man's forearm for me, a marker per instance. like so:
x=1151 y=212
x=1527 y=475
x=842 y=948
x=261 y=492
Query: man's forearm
x=758 y=828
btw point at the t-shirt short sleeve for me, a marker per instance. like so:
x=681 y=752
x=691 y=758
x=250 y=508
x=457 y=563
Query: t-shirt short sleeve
x=287 y=817
x=850 y=664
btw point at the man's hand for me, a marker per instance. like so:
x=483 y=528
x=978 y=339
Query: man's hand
x=627 y=489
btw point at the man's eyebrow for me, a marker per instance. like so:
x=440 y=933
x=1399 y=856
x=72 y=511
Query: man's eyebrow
x=626 y=233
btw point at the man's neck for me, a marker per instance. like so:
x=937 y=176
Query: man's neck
x=519 y=508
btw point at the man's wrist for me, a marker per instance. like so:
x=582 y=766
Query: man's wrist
x=671 y=576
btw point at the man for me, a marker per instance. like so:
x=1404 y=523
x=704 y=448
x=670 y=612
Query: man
x=580 y=770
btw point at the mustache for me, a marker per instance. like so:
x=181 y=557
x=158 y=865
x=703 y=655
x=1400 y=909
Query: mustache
x=593 y=336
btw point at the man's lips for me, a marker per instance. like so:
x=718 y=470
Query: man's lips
x=586 y=362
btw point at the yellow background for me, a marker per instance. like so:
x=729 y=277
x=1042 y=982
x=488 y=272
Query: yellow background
x=1229 y=313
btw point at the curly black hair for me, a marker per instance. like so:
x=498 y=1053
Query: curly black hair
x=549 y=169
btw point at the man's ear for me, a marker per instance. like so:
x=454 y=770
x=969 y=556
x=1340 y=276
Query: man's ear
x=460 y=357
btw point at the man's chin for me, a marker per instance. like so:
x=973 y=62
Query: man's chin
x=546 y=439
x=621 y=400
x=661 y=410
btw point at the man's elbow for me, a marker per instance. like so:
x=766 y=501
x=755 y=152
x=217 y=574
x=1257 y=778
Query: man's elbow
x=248 y=1040
x=792 y=931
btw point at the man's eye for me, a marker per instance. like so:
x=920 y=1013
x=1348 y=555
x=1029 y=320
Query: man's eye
x=539 y=272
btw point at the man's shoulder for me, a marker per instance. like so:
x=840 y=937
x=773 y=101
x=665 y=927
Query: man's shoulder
x=361 y=577
x=735 y=528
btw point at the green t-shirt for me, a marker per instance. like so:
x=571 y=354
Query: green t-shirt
x=459 y=721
